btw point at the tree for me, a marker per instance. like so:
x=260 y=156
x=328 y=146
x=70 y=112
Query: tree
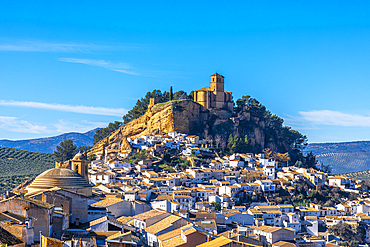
x=237 y=145
x=348 y=233
x=101 y=133
x=84 y=149
x=65 y=151
x=217 y=206
x=310 y=160
x=326 y=168
x=142 y=104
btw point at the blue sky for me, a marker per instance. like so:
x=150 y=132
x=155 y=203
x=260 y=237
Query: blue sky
x=76 y=65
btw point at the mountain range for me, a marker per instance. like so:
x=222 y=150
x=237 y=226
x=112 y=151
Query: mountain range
x=48 y=144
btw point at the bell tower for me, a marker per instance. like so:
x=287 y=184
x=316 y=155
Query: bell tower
x=217 y=83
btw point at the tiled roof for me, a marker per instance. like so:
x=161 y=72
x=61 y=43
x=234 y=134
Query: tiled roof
x=6 y=238
x=148 y=214
x=176 y=241
x=170 y=234
x=106 y=218
x=107 y=202
x=218 y=242
x=162 y=224
x=124 y=219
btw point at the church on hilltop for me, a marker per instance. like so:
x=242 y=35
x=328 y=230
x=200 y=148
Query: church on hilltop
x=214 y=96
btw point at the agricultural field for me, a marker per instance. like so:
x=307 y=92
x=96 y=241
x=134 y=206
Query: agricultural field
x=343 y=157
x=17 y=166
x=346 y=162
x=362 y=175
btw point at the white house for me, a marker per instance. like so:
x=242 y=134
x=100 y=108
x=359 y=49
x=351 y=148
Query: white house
x=166 y=205
x=104 y=177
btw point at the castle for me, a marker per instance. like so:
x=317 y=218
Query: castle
x=214 y=96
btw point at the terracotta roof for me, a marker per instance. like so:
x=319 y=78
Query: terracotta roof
x=284 y=244
x=106 y=218
x=170 y=234
x=162 y=224
x=220 y=241
x=8 y=216
x=6 y=238
x=148 y=214
x=124 y=219
x=32 y=201
x=107 y=202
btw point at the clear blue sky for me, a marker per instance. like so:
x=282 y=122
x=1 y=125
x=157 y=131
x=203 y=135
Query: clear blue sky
x=76 y=65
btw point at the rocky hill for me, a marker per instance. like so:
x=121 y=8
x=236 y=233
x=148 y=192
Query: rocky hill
x=215 y=125
x=48 y=145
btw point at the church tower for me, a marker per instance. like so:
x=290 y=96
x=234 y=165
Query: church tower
x=215 y=96
x=217 y=83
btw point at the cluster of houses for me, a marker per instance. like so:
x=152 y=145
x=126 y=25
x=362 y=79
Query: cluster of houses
x=236 y=200
x=156 y=144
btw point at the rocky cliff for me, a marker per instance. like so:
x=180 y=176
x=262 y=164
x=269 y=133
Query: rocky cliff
x=187 y=116
x=183 y=116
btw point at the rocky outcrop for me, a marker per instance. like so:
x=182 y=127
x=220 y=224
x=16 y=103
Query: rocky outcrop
x=187 y=116
x=184 y=116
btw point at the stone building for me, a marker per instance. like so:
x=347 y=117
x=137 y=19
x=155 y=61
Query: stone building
x=71 y=175
x=62 y=178
x=42 y=215
x=214 y=96
x=78 y=164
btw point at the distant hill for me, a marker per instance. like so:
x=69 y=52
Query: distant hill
x=48 y=145
x=17 y=166
x=343 y=157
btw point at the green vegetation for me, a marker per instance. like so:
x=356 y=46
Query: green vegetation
x=142 y=104
x=138 y=156
x=18 y=166
x=65 y=151
x=351 y=235
x=283 y=137
x=104 y=132
x=344 y=157
x=273 y=123
x=238 y=145
x=345 y=162
x=363 y=175
x=326 y=196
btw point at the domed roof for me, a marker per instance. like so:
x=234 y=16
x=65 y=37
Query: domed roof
x=59 y=177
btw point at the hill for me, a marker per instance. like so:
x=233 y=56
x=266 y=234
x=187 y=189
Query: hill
x=250 y=120
x=343 y=157
x=18 y=165
x=48 y=145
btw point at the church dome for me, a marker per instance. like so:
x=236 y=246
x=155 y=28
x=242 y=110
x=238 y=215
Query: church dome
x=59 y=177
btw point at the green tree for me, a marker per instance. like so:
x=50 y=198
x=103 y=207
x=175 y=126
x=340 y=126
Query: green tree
x=84 y=149
x=65 y=151
x=274 y=128
x=217 y=206
x=101 y=133
x=310 y=160
x=353 y=235
x=142 y=104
